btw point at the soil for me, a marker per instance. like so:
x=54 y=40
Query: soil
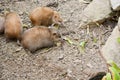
x=56 y=63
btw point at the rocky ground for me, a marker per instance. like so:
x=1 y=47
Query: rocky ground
x=55 y=63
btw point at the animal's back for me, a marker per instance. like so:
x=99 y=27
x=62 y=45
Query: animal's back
x=41 y=16
x=13 y=25
x=35 y=38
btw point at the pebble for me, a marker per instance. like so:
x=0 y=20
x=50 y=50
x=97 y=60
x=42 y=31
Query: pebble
x=61 y=57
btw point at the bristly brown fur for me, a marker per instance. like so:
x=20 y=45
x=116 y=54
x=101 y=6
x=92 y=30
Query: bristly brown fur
x=37 y=38
x=44 y=16
x=13 y=26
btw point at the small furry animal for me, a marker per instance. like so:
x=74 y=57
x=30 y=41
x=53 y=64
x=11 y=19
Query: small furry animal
x=45 y=16
x=13 y=26
x=2 y=20
x=39 y=37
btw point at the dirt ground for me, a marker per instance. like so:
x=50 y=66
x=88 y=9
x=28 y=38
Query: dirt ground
x=55 y=63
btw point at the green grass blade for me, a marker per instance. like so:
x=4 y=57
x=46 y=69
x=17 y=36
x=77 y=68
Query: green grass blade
x=108 y=76
x=113 y=64
x=115 y=74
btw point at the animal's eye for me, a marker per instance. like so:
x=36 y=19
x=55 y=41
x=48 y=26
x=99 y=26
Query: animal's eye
x=54 y=34
x=55 y=16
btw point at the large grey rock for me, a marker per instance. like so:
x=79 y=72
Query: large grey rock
x=111 y=50
x=96 y=11
x=115 y=4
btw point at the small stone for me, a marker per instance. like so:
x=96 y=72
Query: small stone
x=53 y=4
x=20 y=12
x=69 y=72
x=89 y=65
x=18 y=49
x=61 y=57
x=85 y=1
x=77 y=61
